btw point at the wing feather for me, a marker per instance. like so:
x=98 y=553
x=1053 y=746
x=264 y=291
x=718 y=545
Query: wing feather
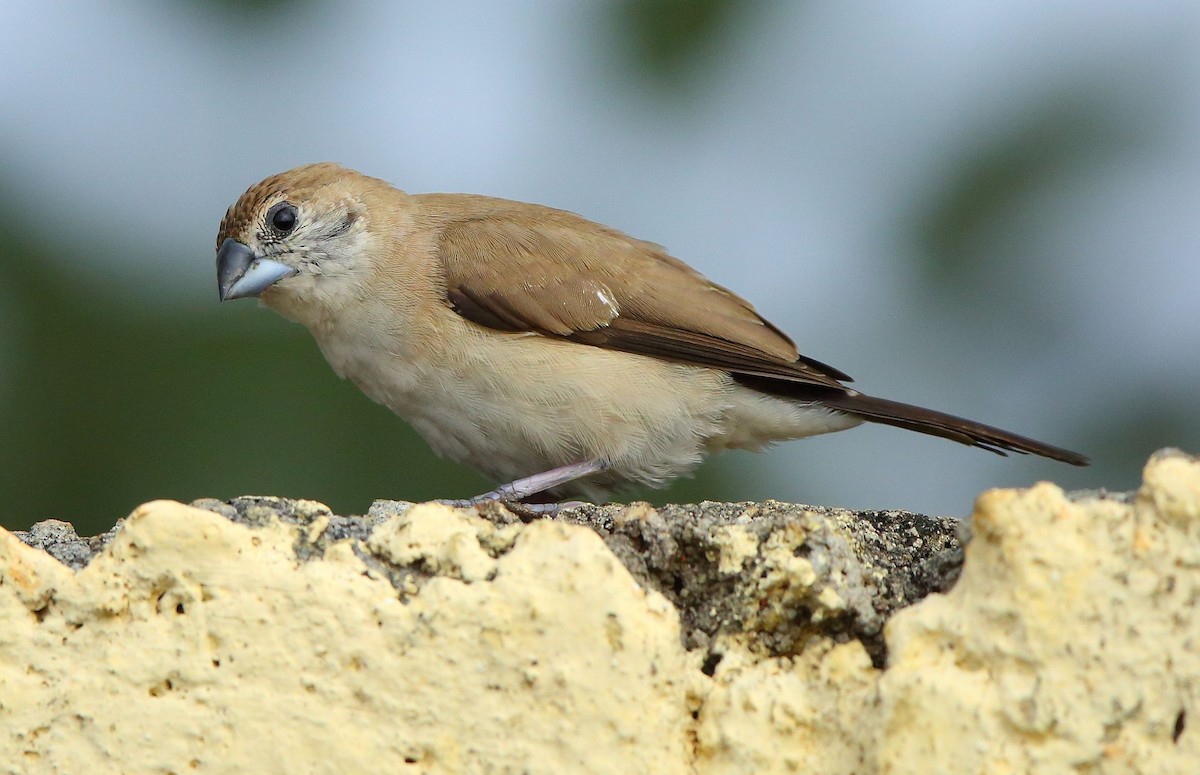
x=515 y=267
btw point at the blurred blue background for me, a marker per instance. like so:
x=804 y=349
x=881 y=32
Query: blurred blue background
x=988 y=208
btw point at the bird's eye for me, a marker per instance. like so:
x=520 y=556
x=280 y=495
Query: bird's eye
x=282 y=217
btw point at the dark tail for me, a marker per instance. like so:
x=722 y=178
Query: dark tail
x=964 y=431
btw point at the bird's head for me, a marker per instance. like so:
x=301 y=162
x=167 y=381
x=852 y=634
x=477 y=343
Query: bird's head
x=300 y=240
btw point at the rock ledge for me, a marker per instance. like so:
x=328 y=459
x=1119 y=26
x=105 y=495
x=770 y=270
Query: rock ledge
x=271 y=635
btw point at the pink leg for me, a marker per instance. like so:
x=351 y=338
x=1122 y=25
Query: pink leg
x=532 y=485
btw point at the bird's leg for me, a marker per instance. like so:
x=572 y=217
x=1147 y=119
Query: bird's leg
x=532 y=485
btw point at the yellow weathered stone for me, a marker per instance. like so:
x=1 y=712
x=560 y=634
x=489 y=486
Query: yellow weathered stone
x=1071 y=643
x=813 y=713
x=445 y=542
x=737 y=544
x=195 y=644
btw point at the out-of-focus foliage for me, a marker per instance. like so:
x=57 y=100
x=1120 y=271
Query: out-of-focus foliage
x=237 y=11
x=108 y=400
x=669 y=41
x=1062 y=136
x=1132 y=427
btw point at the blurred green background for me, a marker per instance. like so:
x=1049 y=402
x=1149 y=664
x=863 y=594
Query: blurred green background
x=991 y=211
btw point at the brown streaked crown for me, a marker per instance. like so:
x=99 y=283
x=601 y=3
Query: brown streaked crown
x=239 y=217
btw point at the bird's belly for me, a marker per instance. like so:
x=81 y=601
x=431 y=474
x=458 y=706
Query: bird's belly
x=512 y=405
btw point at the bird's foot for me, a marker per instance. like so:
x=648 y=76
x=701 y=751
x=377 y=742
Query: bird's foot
x=526 y=511
x=514 y=493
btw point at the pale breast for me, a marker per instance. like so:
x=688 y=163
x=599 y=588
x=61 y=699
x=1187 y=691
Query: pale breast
x=511 y=405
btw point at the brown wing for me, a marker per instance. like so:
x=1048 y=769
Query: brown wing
x=517 y=267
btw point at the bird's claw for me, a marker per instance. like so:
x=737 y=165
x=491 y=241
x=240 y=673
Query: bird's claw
x=526 y=511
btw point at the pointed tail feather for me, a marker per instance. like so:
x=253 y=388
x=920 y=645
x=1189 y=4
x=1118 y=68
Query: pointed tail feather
x=975 y=434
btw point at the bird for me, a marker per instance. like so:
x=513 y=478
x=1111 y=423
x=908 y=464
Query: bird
x=555 y=355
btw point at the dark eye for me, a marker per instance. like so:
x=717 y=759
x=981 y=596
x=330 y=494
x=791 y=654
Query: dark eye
x=282 y=217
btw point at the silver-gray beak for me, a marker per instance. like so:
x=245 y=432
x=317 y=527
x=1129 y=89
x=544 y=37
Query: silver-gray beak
x=241 y=274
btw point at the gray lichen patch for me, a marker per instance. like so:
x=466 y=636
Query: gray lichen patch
x=60 y=541
x=783 y=574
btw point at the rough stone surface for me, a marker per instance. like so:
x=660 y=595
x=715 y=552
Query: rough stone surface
x=781 y=574
x=60 y=541
x=195 y=644
x=1071 y=643
x=267 y=635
